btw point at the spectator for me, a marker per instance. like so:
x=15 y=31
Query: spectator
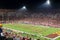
x=23 y=38
x=1 y=33
x=8 y=38
x=0 y=29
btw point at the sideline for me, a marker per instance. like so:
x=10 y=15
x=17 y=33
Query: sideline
x=17 y=31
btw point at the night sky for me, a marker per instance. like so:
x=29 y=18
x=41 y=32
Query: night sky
x=30 y=4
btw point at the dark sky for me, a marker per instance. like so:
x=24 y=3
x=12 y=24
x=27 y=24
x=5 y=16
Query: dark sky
x=30 y=4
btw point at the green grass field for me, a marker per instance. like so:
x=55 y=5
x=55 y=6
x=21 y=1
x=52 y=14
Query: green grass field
x=33 y=29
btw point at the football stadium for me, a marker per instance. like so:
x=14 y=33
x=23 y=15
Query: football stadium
x=30 y=20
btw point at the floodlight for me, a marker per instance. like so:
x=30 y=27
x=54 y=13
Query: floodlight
x=24 y=7
x=48 y=2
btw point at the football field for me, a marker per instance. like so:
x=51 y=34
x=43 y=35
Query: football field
x=38 y=30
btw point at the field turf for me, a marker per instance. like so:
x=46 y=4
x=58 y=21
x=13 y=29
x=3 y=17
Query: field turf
x=33 y=29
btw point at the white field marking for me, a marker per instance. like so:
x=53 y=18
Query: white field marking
x=52 y=38
x=47 y=38
x=56 y=37
x=13 y=30
x=18 y=31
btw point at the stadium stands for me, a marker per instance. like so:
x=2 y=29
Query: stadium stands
x=41 y=18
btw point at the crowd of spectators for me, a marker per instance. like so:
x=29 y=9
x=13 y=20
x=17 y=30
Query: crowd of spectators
x=12 y=36
x=43 y=17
